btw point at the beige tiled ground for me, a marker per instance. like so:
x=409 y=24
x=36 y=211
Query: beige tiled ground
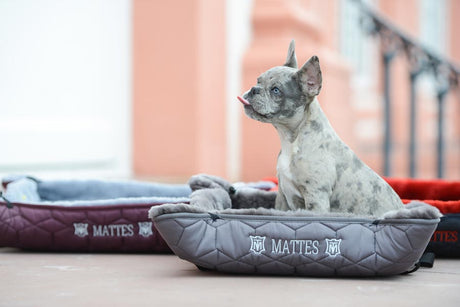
x=42 y=279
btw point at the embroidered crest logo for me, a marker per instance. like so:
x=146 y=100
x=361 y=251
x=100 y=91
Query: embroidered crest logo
x=333 y=247
x=145 y=229
x=81 y=229
x=257 y=244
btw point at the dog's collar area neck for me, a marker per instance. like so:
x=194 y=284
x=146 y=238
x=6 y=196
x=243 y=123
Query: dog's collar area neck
x=292 y=126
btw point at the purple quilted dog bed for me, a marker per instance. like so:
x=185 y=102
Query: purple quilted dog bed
x=84 y=216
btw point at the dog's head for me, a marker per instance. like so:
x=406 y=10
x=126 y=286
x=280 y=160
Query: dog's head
x=283 y=91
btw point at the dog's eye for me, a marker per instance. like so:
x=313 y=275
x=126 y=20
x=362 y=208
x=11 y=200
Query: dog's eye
x=276 y=91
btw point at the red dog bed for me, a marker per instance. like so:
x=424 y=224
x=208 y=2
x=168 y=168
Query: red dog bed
x=444 y=195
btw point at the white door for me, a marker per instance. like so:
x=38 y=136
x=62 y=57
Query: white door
x=65 y=87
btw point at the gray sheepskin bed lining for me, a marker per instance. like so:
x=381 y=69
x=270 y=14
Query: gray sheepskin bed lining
x=73 y=193
x=413 y=210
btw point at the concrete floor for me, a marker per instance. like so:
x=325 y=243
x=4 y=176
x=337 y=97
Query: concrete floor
x=45 y=279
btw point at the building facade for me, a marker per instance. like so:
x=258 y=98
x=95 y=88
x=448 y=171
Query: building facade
x=351 y=96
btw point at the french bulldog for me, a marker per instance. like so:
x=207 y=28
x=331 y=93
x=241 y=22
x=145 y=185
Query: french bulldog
x=316 y=170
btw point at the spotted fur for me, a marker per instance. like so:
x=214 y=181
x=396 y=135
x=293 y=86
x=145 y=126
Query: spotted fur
x=316 y=169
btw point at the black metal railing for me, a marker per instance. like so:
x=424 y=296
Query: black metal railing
x=421 y=60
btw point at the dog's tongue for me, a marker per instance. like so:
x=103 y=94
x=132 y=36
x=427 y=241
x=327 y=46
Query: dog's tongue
x=243 y=101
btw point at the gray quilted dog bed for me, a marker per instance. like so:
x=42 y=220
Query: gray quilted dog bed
x=268 y=241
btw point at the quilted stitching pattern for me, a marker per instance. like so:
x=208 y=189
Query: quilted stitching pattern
x=293 y=247
x=102 y=228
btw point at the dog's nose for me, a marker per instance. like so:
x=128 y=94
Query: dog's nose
x=255 y=90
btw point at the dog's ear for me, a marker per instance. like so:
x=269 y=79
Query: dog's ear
x=310 y=77
x=291 y=60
